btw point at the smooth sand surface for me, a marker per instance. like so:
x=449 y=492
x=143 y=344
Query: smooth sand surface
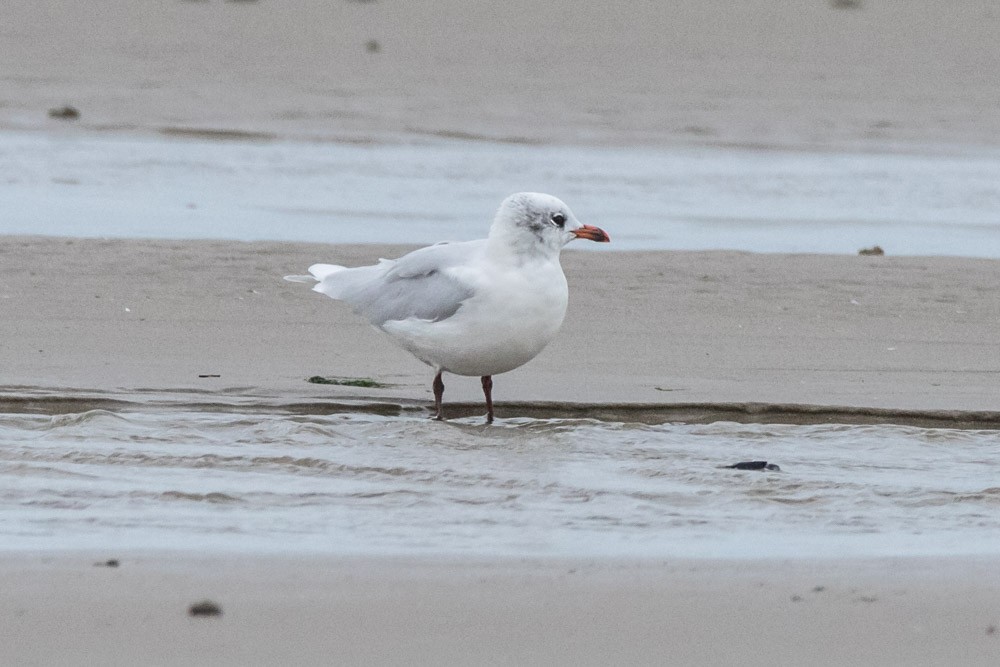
x=757 y=73
x=132 y=318
x=65 y=609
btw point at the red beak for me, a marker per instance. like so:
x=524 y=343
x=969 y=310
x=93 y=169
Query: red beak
x=592 y=234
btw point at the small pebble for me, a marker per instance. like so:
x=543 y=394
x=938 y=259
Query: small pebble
x=874 y=251
x=205 y=608
x=67 y=112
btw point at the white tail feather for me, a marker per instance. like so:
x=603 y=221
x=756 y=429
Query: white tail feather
x=300 y=279
x=321 y=271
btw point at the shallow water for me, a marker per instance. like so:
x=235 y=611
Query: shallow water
x=365 y=484
x=681 y=198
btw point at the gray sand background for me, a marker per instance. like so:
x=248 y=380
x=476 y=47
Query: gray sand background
x=133 y=319
x=757 y=73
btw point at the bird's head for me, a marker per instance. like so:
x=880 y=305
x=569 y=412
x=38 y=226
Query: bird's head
x=536 y=223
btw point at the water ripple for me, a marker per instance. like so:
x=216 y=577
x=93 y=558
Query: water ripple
x=559 y=486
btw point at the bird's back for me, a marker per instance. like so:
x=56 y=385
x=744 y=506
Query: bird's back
x=418 y=285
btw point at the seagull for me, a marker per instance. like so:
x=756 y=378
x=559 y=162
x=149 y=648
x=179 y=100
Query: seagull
x=475 y=308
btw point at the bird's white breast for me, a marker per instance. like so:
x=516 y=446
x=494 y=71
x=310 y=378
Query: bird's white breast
x=515 y=312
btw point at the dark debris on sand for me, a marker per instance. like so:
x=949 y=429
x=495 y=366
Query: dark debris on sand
x=348 y=382
x=67 y=112
x=205 y=608
x=874 y=251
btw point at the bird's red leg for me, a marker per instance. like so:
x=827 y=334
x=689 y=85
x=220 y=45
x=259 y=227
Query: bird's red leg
x=438 y=386
x=488 y=393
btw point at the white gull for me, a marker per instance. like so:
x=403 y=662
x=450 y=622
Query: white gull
x=477 y=308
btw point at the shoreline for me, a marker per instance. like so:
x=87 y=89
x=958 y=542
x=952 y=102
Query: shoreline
x=715 y=331
x=677 y=199
x=55 y=401
x=939 y=147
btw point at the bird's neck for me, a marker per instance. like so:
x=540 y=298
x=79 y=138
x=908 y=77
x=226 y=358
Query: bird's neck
x=519 y=247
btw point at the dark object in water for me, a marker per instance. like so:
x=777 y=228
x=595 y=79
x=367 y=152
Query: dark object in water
x=753 y=465
x=205 y=608
x=874 y=251
x=209 y=375
x=111 y=562
x=372 y=46
x=67 y=112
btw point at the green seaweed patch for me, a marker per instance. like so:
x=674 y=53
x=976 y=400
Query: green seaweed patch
x=349 y=382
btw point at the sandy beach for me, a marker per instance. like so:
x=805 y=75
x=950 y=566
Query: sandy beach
x=97 y=326
x=61 y=608
x=132 y=319
x=756 y=73
x=90 y=323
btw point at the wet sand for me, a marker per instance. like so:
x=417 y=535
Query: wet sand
x=669 y=335
x=134 y=320
x=756 y=73
x=141 y=320
x=407 y=611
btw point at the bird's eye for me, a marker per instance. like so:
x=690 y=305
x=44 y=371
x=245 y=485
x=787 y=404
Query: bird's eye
x=559 y=219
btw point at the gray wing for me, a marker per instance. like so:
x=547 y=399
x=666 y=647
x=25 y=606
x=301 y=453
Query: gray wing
x=416 y=285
